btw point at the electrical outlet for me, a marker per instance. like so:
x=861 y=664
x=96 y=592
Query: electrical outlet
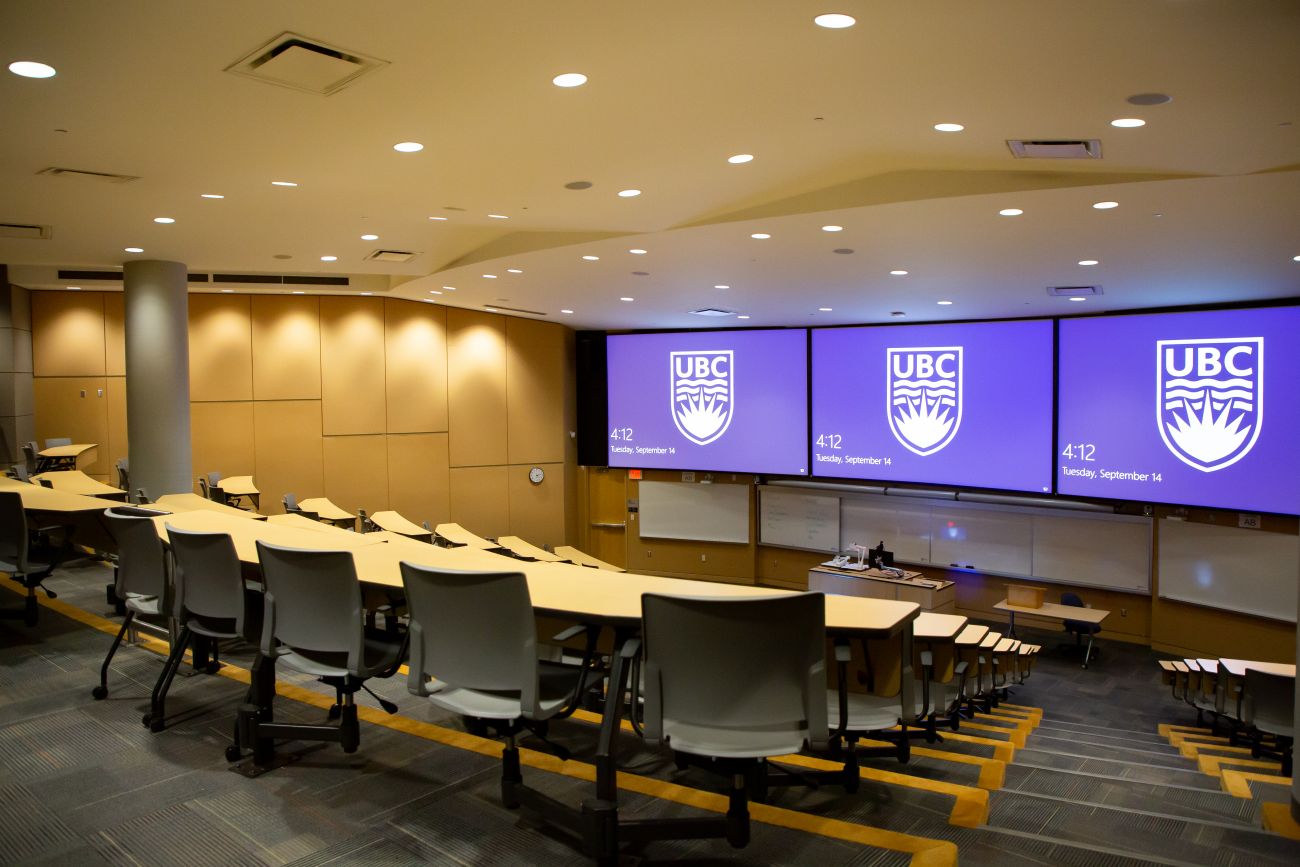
x=704 y=558
x=83 y=392
x=1123 y=612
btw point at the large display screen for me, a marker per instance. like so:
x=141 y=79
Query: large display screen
x=962 y=404
x=1199 y=408
x=731 y=401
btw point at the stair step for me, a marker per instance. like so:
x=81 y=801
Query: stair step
x=1099 y=733
x=1205 y=805
x=1169 y=756
x=1187 y=775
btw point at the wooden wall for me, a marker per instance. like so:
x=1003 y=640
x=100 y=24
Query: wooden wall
x=376 y=403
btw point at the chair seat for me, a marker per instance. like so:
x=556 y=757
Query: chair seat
x=380 y=651
x=866 y=713
x=147 y=605
x=736 y=742
x=555 y=681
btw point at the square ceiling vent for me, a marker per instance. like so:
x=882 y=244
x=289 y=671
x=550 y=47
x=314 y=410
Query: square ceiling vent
x=1055 y=149
x=296 y=62
x=391 y=256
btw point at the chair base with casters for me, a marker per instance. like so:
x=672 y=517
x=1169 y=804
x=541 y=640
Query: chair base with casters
x=30 y=573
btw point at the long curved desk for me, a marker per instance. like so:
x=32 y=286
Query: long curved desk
x=77 y=482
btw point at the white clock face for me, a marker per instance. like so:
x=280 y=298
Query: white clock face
x=535 y=475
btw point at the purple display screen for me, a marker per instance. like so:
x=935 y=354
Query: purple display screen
x=732 y=401
x=966 y=404
x=1200 y=409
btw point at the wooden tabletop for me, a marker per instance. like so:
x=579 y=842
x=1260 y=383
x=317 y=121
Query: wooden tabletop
x=582 y=558
x=1006 y=645
x=521 y=548
x=326 y=509
x=77 y=482
x=1057 y=611
x=1180 y=665
x=930 y=626
x=991 y=640
x=238 y=486
x=458 y=535
x=1208 y=665
x=302 y=522
x=71 y=451
x=395 y=523
x=973 y=634
x=245 y=533
x=39 y=498
x=191 y=502
x=1237 y=667
x=1192 y=665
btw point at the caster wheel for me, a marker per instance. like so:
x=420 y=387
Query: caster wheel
x=212 y=668
x=155 y=726
x=680 y=761
x=145 y=720
x=99 y=693
x=334 y=712
x=232 y=753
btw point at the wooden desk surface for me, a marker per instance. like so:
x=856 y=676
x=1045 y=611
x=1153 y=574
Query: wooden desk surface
x=395 y=523
x=1180 y=665
x=914 y=578
x=245 y=533
x=238 y=486
x=930 y=626
x=1006 y=645
x=1057 y=611
x=582 y=558
x=990 y=640
x=191 y=502
x=1192 y=665
x=1208 y=665
x=973 y=634
x=71 y=451
x=42 y=499
x=77 y=482
x=301 y=522
x=522 y=548
x=458 y=535
x=326 y=509
x=1237 y=667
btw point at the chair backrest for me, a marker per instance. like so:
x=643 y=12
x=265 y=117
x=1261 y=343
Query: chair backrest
x=123 y=474
x=13 y=530
x=32 y=455
x=204 y=491
x=209 y=580
x=1071 y=599
x=749 y=672
x=1270 y=702
x=313 y=602
x=214 y=492
x=141 y=562
x=58 y=441
x=473 y=630
x=20 y=473
x=291 y=504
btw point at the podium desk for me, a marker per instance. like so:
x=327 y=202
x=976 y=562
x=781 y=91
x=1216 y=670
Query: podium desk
x=930 y=594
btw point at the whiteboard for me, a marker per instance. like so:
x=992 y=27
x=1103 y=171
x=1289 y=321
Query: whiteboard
x=698 y=512
x=798 y=519
x=903 y=526
x=1226 y=567
x=1094 y=550
x=985 y=540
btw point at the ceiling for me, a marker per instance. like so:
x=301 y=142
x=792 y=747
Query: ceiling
x=840 y=123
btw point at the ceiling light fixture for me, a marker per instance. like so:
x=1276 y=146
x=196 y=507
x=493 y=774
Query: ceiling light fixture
x=370 y=237
x=299 y=292
x=164 y=220
x=434 y=292
x=450 y=288
x=590 y=258
x=944 y=303
x=408 y=147
x=329 y=258
x=1077 y=298
x=1128 y=122
x=228 y=291
x=628 y=194
x=737 y=159
x=1011 y=212
x=514 y=271
x=133 y=249
x=1087 y=262
x=949 y=127
x=722 y=286
x=565 y=310
x=627 y=298
x=284 y=184
x=1105 y=206
x=497 y=217
x=832 y=228
x=210 y=196
x=637 y=251
x=835 y=21
x=898 y=272
x=439 y=219
x=569 y=79
x=760 y=236
x=73 y=288
x=742 y=316
x=1295 y=258
x=824 y=309
x=490 y=309
x=490 y=276
x=31 y=69
x=367 y=293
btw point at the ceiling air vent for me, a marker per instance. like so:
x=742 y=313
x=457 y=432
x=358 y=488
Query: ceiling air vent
x=25 y=230
x=1073 y=291
x=299 y=63
x=86 y=175
x=499 y=308
x=713 y=311
x=391 y=256
x=1055 y=149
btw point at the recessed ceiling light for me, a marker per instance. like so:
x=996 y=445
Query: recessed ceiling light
x=428 y=301
x=949 y=127
x=408 y=147
x=299 y=292
x=825 y=309
x=721 y=286
x=514 y=271
x=367 y=293
x=1011 y=212
x=1077 y=298
x=1105 y=206
x=73 y=288
x=898 y=272
x=628 y=194
x=440 y=219
x=329 y=258
x=134 y=249
x=637 y=251
x=228 y=291
x=742 y=316
x=31 y=69
x=490 y=309
x=569 y=79
x=497 y=217
x=284 y=184
x=565 y=310
x=760 y=236
x=832 y=228
x=434 y=292
x=1086 y=262
x=627 y=298
x=740 y=158
x=1295 y=258
x=450 y=288
x=370 y=237
x=835 y=21
x=164 y=220
x=211 y=196
x=944 y=303
x=490 y=276
x=592 y=258
x=1128 y=122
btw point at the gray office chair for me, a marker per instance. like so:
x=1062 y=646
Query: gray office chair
x=291 y=507
x=32 y=456
x=123 y=474
x=215 y=493
x=19 y=472
x=140 y=579
x=476 y=633
x=1080 y=628
x=1201 y=693
x=313 y=621
x=210 y=603
x=731 y=682
x=52 y=442
x=1269 y=707
x=27 y=555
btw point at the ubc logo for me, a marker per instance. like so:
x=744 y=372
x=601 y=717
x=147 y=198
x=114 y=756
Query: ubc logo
x=924 y=396
x=703 y=389
x=1210 y=398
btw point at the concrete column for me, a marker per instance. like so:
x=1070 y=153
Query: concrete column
x=16 y=410
x=158 y=377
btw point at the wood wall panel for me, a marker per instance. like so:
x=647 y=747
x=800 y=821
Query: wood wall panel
x=419 y=479
x=352 y=365
x=538 y=380
x=221 y=348
x=288 y=444
x=415 y=340
x=1194 y=630
x=221 y=440
x=476 y=388
x=286 y=347
x=115 y=334
x=480 y=499
x=537 y=511
x=356 y=472
x=68 y=334
x=116 y=444
x=62 y=411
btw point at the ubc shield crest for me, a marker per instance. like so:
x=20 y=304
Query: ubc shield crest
x=703 y=393
x=1210 y=398
x=924 y=396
